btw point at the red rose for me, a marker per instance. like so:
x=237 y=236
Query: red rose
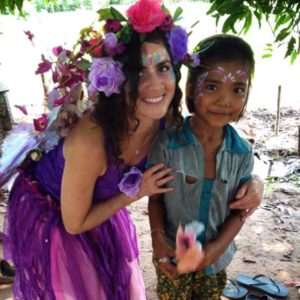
x=146 y=15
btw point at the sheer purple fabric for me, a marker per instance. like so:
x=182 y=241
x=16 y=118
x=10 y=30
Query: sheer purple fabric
x=52 y=264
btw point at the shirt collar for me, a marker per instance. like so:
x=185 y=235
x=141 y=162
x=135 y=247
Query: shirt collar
x=233 y=142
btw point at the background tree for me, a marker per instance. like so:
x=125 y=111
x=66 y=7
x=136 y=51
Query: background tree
x=283 y=17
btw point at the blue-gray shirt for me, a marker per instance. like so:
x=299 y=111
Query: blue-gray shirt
x=205 y=200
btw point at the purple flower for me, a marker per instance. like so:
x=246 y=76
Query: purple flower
x=195 y=58
x=111 y=40
x=130 y=183
x=106 y=75
x=177 y=39
x=112 y=25
x=44 y=66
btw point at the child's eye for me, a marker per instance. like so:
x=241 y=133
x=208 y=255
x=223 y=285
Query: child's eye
x=211 y=87
x=239 y=90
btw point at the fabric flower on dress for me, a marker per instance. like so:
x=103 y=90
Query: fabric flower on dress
x=106 y=75
x=146 y=15
x=130 y=183
x=177 y=39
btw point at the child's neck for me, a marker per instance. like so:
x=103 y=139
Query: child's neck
x=205 y=134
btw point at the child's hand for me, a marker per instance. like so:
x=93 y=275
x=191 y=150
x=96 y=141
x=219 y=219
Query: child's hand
x=163 y=254
x=189 y=252
x=211 y=254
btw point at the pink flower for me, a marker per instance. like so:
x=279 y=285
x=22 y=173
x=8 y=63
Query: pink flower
x=112 y=25
x=97 y=50
x=44 y=66
x=22 y=108
x=146 y=15
x=167 y=23
x=40 y=124
x=57 y=50
x=29 y=35
x=188 y=252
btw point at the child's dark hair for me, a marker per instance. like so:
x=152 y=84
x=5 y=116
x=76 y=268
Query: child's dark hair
x=221 y=47
x=112 y=112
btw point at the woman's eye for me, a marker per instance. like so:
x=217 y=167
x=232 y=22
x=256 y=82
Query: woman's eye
x=211 y=87
x=164 y=68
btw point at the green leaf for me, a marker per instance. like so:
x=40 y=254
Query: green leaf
x=19 y=4
x=267 y=55
x=230 y=22
x=117 y=15
x=83 y=64
x=293 y=56
x=143 y=36
x=248 y=22
x=212 y=8
x=290 y=47
x=104 y=14
x=282 y=35
x=177 y=13
x=165 y=9
x=281 y=21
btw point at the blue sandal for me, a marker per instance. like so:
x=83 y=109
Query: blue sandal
x=234 y=291
x=255 y=297
x=263 y=283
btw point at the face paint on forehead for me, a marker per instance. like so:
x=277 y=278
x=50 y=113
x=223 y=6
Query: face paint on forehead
x=153 y=58
x=200 y=85
x=230 y=77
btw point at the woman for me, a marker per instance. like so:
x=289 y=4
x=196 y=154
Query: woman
x=70 y=235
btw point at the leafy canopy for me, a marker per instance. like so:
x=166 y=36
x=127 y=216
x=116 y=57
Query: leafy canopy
x=283 y=18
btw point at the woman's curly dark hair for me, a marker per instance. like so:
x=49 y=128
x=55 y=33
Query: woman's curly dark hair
x=220 y=47
x=112 y=113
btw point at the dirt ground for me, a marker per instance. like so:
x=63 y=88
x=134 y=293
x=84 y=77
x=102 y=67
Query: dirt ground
x=269 y=242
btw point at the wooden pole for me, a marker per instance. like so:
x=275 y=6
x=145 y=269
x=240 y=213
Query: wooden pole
x=299 y=141
x=278 y=110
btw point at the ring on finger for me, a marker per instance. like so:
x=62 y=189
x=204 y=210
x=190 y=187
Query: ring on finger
x=164 y=260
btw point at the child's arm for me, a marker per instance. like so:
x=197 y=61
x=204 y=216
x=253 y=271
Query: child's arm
x=228 y=232
x=161 y=249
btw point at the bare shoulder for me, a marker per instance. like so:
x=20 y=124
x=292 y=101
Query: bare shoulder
x=86 y=142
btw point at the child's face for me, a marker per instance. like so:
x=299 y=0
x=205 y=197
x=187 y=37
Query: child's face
x=157 y=82
x=221 y=92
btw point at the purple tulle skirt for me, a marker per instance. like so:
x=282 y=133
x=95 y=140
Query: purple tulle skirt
x=52 y=264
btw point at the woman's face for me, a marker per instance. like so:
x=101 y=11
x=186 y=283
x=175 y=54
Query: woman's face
x=157 y=82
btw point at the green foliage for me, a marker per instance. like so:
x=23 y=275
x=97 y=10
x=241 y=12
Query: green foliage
x=282 y=16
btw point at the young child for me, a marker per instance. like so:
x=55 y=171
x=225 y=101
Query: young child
x=210 y=162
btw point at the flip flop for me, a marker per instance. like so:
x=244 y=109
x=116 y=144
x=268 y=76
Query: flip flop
x=263 y=283
x=255 y=297
x=234 y=291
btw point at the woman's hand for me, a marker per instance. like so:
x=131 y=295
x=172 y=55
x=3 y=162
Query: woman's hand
x=249 y=196
x=153 y=181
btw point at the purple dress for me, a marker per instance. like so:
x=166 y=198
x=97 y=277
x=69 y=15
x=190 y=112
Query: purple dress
x=53 y=264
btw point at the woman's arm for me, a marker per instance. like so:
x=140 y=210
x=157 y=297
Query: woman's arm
x=228 y=232
x=85 y=161
x=249 y=196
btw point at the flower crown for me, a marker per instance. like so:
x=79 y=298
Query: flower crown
x=95 y=59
